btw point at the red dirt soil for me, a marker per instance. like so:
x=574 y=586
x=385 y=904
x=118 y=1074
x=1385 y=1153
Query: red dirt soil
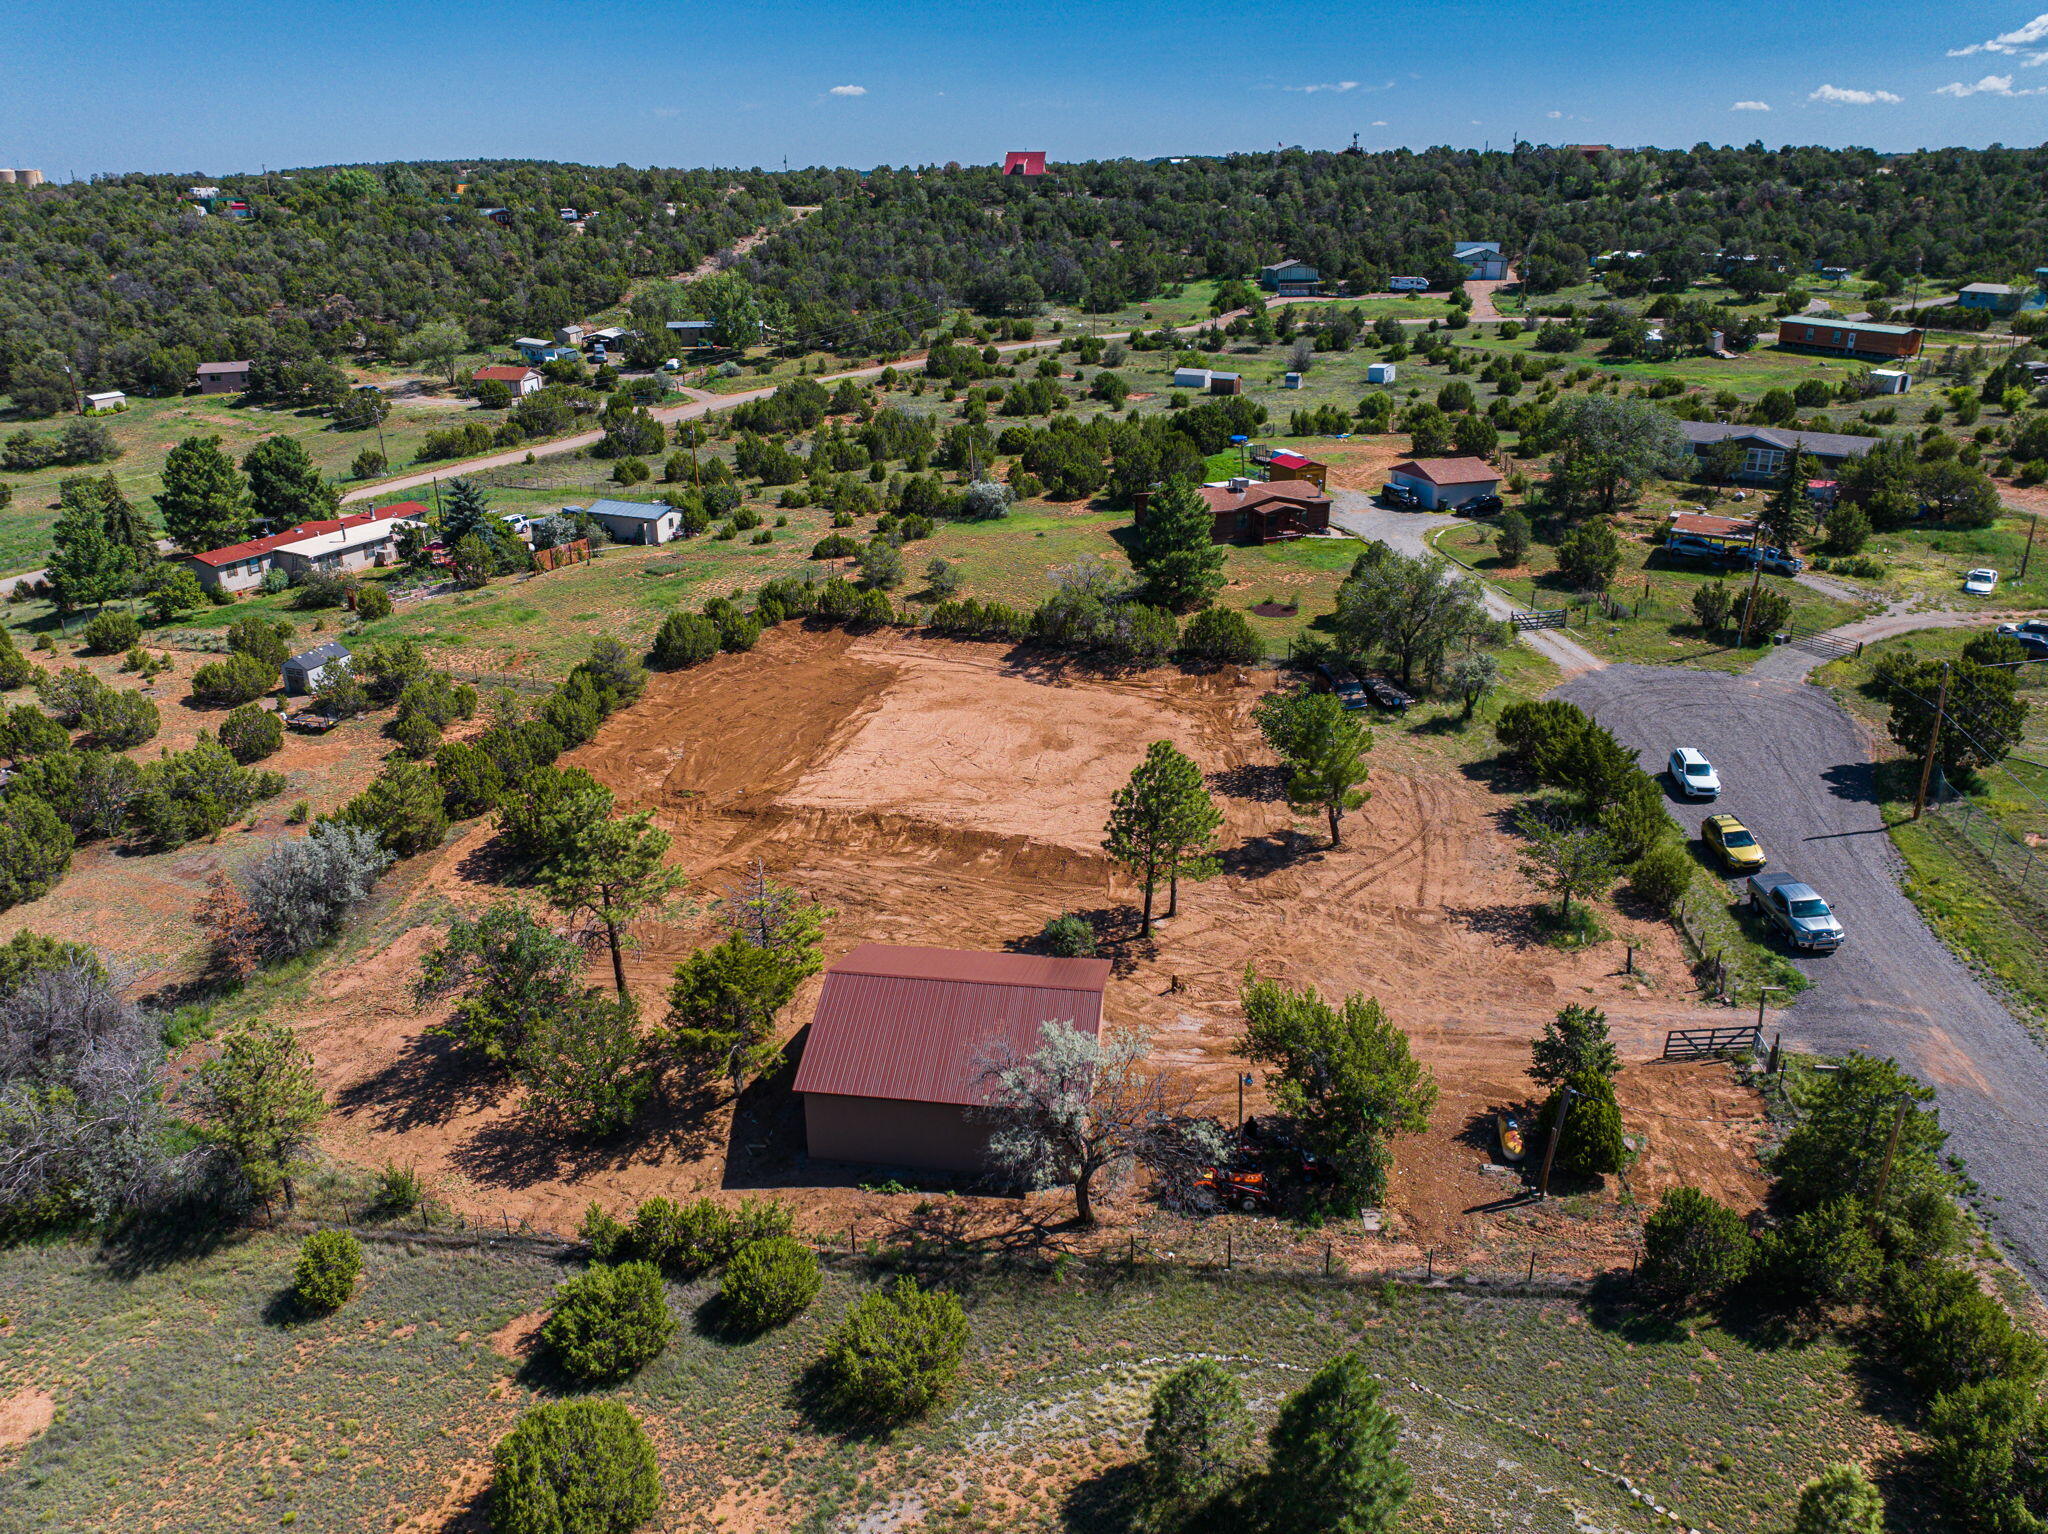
x=941 y=793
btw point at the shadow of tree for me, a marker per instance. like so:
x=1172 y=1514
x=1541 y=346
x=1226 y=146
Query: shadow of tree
x=430 y=1082
x=1257 y=856
x=182 y=1231
x=1261 y=783
x=1106 y=1503
x=1519 y=926
x=520 y=1151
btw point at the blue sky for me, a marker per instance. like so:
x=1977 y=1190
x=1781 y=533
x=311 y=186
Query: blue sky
x=218 y=87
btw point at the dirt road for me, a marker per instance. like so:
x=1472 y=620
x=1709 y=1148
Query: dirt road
x=1798 y=772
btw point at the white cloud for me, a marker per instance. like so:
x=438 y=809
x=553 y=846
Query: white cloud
x=1990 y=85
x=1854 y=98
x=1334 y=85
x=1379 y=123
x=2022 y=41
x=847 y=90
x=1553 y=114
x=1751 y=106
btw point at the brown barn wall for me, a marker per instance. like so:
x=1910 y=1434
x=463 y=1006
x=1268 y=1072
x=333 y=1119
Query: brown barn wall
x=889 y=1132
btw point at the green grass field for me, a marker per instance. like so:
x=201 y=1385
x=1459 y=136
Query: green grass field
x=189 y=1397
x=1657 y=591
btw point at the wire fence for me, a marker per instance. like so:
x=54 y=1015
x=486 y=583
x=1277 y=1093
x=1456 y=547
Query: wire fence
x=2017 y=860
x=1259 y=1253
x=1710 y=968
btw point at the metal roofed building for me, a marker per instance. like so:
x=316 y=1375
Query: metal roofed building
x=891 y=1068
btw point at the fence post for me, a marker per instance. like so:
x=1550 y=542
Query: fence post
x=1326 y=1259
x=1532 y=1265
x=1431 y=1254
x=1229 y=1253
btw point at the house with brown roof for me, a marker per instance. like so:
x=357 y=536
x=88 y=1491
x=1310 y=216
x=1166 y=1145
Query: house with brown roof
x=337 y=545
x=1442 y=482
x=1272 y=511
x=522 y=381
x=892 y=1065
x=223 y=377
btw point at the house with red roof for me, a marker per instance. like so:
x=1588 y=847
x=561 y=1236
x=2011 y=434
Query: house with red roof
x=522 y=381
x=1024 y=162
x=892 y=1064
x=361 y=540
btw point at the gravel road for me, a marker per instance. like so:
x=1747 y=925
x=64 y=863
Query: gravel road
x=1795 y=769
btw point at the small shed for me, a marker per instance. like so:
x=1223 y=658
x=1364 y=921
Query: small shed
x=1290 y=380
x=1283 y=464
x=1380 y=372
x=1482 y=259
x=1446 y=481
x=1191 y=378
x=538 y=349
x=106 y=402
x=1226 y=383
x=1890 y=381
x=635 y=521
x=304 y=672
x=891 y=1067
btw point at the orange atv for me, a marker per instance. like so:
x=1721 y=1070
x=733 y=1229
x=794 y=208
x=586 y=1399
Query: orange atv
x=1234 y=1189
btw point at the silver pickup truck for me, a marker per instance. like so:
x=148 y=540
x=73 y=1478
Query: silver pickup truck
x=1796 y=910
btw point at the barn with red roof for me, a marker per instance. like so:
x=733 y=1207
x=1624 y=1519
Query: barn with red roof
x=1024 y=162
x=892 y=1065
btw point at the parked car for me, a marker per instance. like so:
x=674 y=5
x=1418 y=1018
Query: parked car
x=2033 y=633
x=1343 y=684
x=1981 y=583
x=1774 y=561
x=1693 y=775
x=1733 y=843
x=1797 y=911
x=1480 y=506
x=1387 y=695
x=1399 y=498
x=1693 y=546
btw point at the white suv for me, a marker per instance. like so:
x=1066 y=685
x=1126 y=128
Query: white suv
x=1694 y=774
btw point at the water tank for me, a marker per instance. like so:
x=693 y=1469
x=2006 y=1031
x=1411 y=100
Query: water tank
x=6 y=178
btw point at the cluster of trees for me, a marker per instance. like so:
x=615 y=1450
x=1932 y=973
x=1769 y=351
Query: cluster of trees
x=89 y=1134
x=1429 y=622
x=126 y=281
x=1609 y=820
x=1868 y=1221
x=1970 y=709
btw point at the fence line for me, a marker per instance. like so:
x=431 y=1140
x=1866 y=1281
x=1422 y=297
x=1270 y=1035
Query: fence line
x=1711 y=968
x=1517 y=1273
x=2011 y=856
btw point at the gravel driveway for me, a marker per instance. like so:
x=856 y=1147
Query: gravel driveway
x=1795 y=769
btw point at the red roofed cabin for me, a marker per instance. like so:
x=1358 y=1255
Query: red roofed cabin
x=522 y=381
x=1024 y=162
x=1283 y=464
x=891 y=1070
x=1248 y=511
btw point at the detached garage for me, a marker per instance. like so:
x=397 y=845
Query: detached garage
x=890 y=1071
x=1446 y=482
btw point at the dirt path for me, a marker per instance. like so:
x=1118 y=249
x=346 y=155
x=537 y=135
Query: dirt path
x=719 y=260
x=1482 y=292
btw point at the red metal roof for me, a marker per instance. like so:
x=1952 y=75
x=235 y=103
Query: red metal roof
x=910 y=1024
x=1706 y=526
x=255 y=546
x=505 y=374
x=1024 y=162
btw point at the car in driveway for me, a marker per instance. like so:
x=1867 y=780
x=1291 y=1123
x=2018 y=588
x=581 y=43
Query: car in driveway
x=1479 y=506
x=1774 y=561
x=1797 y=911
x=1980 y=583
x=1733 y=843
x=2033 y=634
x=1399 y=498
x=1693 y=775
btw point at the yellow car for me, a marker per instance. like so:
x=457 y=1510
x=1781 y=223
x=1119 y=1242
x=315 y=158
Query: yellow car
x=1733 y=843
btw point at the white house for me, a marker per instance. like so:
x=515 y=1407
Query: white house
x=1481 y=259
x=634 y=521
x=304 y=672
x=1446 y=481
x=522 y=381
x=106 y=403
x=358 y=541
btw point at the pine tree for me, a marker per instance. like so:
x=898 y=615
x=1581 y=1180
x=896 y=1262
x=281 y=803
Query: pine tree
x=464 y=511
x=1840 y=1500
x=1172 y=548
x=1575 y=1040
x=612 y=869
x=86 y=567
x=1333 y=1468
x=285 y=488
x=1161 y=820
x=1786 y=515
x=202 y=500
x=1327 y=758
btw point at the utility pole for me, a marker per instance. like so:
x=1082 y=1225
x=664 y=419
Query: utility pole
x=2033 y=524
x=1933 y=741
x=1756 y=579
x=1244 y=1079
x=1891 y=1145
x=1564 y=1108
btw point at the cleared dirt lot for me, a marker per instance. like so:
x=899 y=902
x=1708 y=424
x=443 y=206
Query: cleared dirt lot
x=940 y=793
